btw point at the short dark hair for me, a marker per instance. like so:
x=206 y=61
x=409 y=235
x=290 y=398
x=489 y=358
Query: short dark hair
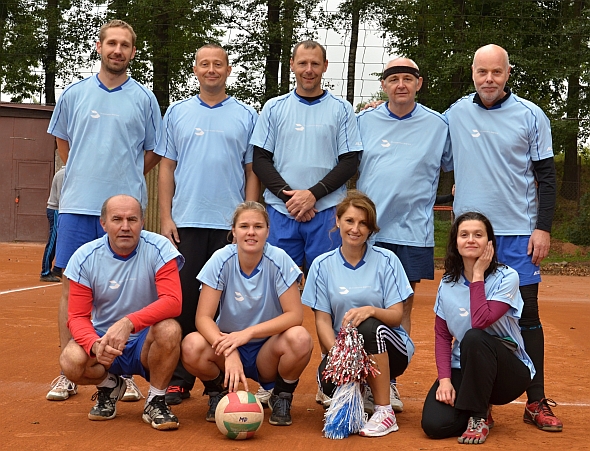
x=360 y=200
x=103 y=210
x=309 y=44
x=453 y=260
x=116 y=23
x=212 y=45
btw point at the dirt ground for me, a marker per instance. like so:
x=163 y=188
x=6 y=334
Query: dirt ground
x=29 y=354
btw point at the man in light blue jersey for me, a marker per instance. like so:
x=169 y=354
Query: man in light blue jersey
x=106 y=127
x=306 y=146
x=405 y=145
x=124 y=292
x=503 y=159
x=205 y=172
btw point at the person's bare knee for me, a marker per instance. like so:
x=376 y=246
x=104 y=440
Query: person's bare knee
x=73 y=361
x=167 y=334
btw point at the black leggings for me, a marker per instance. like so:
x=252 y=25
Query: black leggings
x=378 y=339
x=490 y=374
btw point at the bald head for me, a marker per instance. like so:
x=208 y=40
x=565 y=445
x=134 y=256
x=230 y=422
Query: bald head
x=401 y=62
x=492 y=51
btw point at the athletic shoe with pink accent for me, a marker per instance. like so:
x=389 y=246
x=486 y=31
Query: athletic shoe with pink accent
x=476 y=433
x=540 y=414
x=381 y=423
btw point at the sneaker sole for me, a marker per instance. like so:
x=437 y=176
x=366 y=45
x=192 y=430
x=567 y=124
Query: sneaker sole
x=177 y=399
x=394 y=428
x=132 y=398
x=101 y=418
x=170 y=425
x=60 y=397
x=543 y=428
x=280 y=423
x=397 y=407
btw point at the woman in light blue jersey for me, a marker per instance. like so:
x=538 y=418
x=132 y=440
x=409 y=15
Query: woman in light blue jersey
x=249 y=319
x=365 y=286
x=477 y=308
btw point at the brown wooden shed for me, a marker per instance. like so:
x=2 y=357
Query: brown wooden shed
x=27 y=165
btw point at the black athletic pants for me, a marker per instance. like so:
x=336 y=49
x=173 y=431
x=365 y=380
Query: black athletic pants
x=490 y=374
x=197 y=246
x=378 y=338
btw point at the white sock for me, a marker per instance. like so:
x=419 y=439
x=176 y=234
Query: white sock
x=109 y=382
x=387 y=407
x=153 y=391
x=290 y=381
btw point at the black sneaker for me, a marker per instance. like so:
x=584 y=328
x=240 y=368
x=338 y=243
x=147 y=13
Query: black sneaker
x=106 y=401
x=214 y=398
x=175 y=394
x=157 y=413
x=49 y=278
x=280 y=405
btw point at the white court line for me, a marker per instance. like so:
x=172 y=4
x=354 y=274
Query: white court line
x=570 y=404
x=30 y=288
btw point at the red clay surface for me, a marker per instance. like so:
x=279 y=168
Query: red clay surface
x=29 y=354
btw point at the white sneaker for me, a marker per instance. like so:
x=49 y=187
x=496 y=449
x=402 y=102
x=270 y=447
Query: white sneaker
x=132 y=391
x=394 y=398
x=61 y=389
x=381 y=423
x=368 y=401
x=323 y=399
x=263 y=395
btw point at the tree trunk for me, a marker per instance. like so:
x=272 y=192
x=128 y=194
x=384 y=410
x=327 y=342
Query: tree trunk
x=273 y=58
x=52 y=15
x=570 y=187
x=287 y=44
x=161 y=87
x=354 y=39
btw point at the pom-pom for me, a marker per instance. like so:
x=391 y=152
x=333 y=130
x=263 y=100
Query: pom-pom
x=347 y=360
x=348 y=366
x=345 y=415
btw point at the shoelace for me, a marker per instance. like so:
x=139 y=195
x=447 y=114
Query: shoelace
x=159 y=405
x=545 y=405
x=103 y=398
x=131 y=385
x=476 y=426
x=62 y=382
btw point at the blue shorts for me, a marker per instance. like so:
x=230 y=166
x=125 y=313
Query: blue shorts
x=72 y=232
x=511 y=251
x=130 y=362
x=418 y=262
x=248 y=355
x=304 y=241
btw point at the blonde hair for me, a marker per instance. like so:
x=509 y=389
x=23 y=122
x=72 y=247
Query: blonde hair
x=249 y=205
x=116 y=23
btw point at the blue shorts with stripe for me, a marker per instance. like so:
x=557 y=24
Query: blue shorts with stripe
x=304 y=241
x=512 y=251
x=248 y=355
x=129 y=362
x=72 y=232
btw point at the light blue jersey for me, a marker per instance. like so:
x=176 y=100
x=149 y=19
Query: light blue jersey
x=211 y=148
x=306 y=140
x=247 y=300
x=493 y=151
x=400 y=168
x=108 y=131
x=121 y=285
x=334 y=286
x=452 y=305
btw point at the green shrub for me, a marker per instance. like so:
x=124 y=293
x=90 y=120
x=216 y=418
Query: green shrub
x=579 y=232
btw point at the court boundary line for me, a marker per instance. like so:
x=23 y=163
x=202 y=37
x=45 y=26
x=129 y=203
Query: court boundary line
x=16 y=290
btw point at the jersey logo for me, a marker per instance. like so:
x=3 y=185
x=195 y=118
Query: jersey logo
x=239 y=296
x=475 y=134
x=199 y=131
x=299 y=127
x=344 y=290
x=94 y=114
x=114 y=284
x=463 y=312
x=385 y=143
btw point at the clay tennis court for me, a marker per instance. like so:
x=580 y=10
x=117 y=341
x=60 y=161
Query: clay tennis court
x=29 y=354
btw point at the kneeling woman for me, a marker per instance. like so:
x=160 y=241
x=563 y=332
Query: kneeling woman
x=477 y=309
x=258 y=332
x=366 y=286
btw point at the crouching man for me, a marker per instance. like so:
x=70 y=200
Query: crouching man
x=124 y=294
